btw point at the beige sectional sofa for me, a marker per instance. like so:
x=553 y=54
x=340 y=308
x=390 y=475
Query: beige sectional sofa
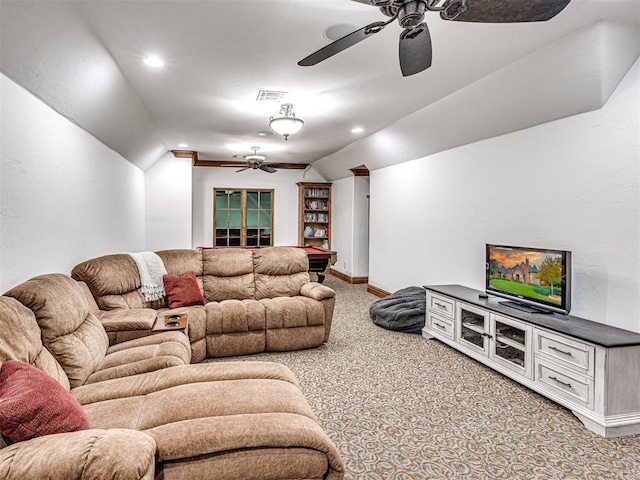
x=150 y=413
x=256 y=300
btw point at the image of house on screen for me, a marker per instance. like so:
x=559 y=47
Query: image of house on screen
x=523 y=272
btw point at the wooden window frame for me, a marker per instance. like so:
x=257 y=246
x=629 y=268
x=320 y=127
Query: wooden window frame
x=243 y=213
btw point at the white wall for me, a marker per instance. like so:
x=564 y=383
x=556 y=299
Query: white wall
x=361 y=227
x=570 y=184
x=168 y=200
x=342 y=204
x=205 y=179
x=65 y=196
x=350 y=223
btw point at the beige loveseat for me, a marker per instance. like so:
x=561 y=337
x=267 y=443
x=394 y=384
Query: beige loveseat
x=150 y=413
x=256 y=300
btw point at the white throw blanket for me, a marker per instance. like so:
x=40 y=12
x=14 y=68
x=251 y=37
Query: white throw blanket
x=151 y=269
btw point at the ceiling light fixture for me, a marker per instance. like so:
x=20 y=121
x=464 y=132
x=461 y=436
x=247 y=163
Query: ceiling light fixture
x=255 y=157
x=183 y=145
x=154 y=61
x=357 y=130
x=288 y=124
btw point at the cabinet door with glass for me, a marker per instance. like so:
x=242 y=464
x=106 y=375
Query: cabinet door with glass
x=472 y=330
x=511 y=344
x=242 y=217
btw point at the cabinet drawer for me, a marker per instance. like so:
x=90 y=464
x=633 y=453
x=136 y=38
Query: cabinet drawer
x=442 y=305
x=440 y=325
x=565 y=383
x=565 y=351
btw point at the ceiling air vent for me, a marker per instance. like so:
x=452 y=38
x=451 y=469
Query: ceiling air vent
x=270 y=96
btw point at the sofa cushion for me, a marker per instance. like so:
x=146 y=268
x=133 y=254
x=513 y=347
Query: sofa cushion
x=222 y=419
x=114 y=281
x=34 y=404
x=86 y=454
x=181 y=261
x=21 y=340
x=228 y=274
x=70 y=332
x=280 y=271
x=142 y=355
x=182 y=290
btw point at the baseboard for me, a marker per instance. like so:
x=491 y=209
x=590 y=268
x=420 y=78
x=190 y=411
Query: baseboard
x=378 y=292
x=347 y=278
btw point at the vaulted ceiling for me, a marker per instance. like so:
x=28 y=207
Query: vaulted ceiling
x=84 y=59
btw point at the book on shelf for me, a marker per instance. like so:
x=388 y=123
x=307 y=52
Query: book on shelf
x=316 y=204
x=316 y=217
x=310 y=232
x=316 y=192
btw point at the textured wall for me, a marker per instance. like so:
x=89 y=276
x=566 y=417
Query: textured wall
x=65 y=196
x=569 y=184
x=285 y=219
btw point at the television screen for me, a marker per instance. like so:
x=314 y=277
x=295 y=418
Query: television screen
x=535 y=279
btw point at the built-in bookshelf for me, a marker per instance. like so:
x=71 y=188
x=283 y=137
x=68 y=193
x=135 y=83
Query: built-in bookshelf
x=314 y=200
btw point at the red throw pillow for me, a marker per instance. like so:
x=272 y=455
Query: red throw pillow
x=33 y=404
x=182 y=290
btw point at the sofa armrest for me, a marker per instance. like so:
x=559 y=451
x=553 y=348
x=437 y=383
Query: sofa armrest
x=87 y=454
x=122 y=324
x=317 y=291
x=122 y=319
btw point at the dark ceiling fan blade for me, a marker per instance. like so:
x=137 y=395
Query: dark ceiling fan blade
x=241 y=170
x=267 y=168
x=415 y=50
x=504 y=11
x=294 y=166
x=342 y=44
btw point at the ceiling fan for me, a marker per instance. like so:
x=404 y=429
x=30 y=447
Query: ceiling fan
x=256 y=162
x=415 y=41
x=253 y=161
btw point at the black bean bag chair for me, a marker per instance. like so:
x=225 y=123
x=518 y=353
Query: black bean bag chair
x=402 y=311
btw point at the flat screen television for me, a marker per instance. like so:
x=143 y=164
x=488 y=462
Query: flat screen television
x=535 y=280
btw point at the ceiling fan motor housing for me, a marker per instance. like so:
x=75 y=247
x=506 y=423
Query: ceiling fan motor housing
x=412 y=13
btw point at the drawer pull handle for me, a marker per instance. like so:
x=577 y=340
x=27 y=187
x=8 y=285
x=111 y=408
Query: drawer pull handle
x=444 y=307
x=568 y=385
x=439 y=325
x=560 y=351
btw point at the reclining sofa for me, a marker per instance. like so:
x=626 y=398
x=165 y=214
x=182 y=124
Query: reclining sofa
x=255 y=300
x=150 y=412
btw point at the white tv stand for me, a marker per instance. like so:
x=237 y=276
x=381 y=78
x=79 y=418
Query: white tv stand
x=591 y=368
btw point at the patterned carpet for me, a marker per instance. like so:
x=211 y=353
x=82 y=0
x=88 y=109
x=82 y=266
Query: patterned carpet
x=401 y=407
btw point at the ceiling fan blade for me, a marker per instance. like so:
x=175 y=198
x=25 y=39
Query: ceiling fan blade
x=267 y=168
x=241 y=170
x=503 y=11
x=342 y=44
x=415 y=50
x=285 y=165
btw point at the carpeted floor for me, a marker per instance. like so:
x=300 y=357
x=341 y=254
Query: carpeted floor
x=399 y=406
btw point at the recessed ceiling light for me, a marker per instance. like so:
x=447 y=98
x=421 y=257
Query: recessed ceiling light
x=183 y=145
x=339 y=30
x=154 y=61
x=357 y=130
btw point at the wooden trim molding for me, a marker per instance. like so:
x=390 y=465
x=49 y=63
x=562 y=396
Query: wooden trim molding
x=347 y=278
x=231 y=163
x=378 y=292
x=360 y=172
